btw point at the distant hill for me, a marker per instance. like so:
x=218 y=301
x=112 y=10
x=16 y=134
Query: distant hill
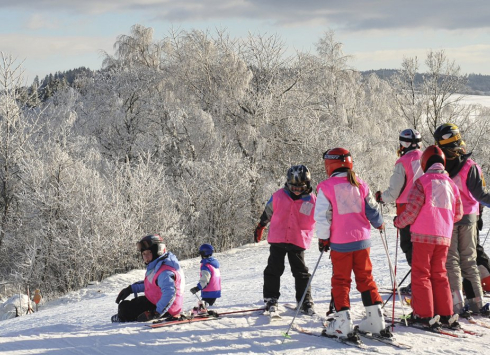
x=477 y=84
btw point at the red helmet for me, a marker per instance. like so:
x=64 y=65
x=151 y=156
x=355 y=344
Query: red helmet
x=431 y=155
x=337 y=158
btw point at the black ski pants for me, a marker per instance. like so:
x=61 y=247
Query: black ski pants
x=275 y=269
x=406 y=243
x=128 y=311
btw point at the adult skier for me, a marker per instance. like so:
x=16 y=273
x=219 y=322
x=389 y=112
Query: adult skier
x=162 y=287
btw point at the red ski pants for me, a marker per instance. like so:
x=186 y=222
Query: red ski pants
x=431 y=293
x=343 y=264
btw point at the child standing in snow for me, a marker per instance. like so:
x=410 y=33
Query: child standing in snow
x=210 y=282
x=344 y=210
x=434 y=205
x=290 y=213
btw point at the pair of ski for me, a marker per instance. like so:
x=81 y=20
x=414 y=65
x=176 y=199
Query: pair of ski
x=353 y=341
x=191 y=318
x=446 y=331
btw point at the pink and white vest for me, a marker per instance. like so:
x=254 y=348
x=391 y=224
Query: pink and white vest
x=436 y=216
x=470 y=205
x=215 y=281
x=411 y=164
x=349 y=221
x=292 y=220
x=153 y=292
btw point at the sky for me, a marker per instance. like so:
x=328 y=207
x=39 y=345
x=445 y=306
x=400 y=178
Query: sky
x=57 y=35
x=79 y=322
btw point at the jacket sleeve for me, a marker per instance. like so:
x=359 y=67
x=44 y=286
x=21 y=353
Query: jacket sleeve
x=416 y=199
x=373 y=213
x=477 y=187
x=323 y=216
x=138 y=287
x=205 y=278
x=166 y=282
x=397 y=182
x=266 y=216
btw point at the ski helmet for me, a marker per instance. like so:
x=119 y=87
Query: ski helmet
x=298 y=176
x=154 y=243
x=337 y=158
x=448 y=138
x=206 y=250
x=431 y=155
x=410 y=139
x=447 y=135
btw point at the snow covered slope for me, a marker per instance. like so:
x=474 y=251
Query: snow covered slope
x=79 y=323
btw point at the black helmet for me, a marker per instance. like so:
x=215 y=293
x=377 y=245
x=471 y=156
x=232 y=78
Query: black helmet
x=206 y=250
x=448 y=138
x=154 y=243
x=299 y=175
x=447 y=135
x=409 y=139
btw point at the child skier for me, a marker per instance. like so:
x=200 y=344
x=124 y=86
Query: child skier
x=290 y=213
x=345 y=207
x=210 y=282
x=434 y=205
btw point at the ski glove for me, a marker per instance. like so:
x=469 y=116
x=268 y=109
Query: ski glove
x=258 y=233
x=378 y=197
x=381 y=227
x=324 y=244
x=195 y=290
x=148 y=315
x=124 y=294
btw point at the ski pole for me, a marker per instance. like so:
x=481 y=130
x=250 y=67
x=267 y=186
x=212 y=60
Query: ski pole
x=401 y=282
x=286 y=335
x=486 y=237
x=386 y=240
x=391 y=271
x=396 y=264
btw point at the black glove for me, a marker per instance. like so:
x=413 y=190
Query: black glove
x=324 y=244
x=125 y=292
x=378 y=197
x=148 y=315
x=195 y=290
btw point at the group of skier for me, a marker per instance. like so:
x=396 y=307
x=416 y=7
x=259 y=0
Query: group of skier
x=439 y=193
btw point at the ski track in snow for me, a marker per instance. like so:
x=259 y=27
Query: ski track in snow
x=79 y=322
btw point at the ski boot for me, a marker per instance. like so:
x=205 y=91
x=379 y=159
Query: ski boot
x=374 y=322
x=451 y=321
x=307 y=308
x=340 y=326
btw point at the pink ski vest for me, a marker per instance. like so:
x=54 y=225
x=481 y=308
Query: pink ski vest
x=153 y=292
x=411 y=164
x=470 y=205
x=292 y=220
x=349 y=221
x=215 y=282
x=436 y=216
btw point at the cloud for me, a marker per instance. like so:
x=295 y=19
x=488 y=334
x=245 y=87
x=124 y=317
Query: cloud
x=352 y=15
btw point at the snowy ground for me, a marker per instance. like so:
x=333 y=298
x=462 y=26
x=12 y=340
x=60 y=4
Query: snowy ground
x=79 y=323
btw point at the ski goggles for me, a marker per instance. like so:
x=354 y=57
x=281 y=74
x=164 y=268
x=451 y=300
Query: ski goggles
x=297 y=187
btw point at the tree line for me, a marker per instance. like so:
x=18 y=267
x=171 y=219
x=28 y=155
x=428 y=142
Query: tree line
x=187 y=136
